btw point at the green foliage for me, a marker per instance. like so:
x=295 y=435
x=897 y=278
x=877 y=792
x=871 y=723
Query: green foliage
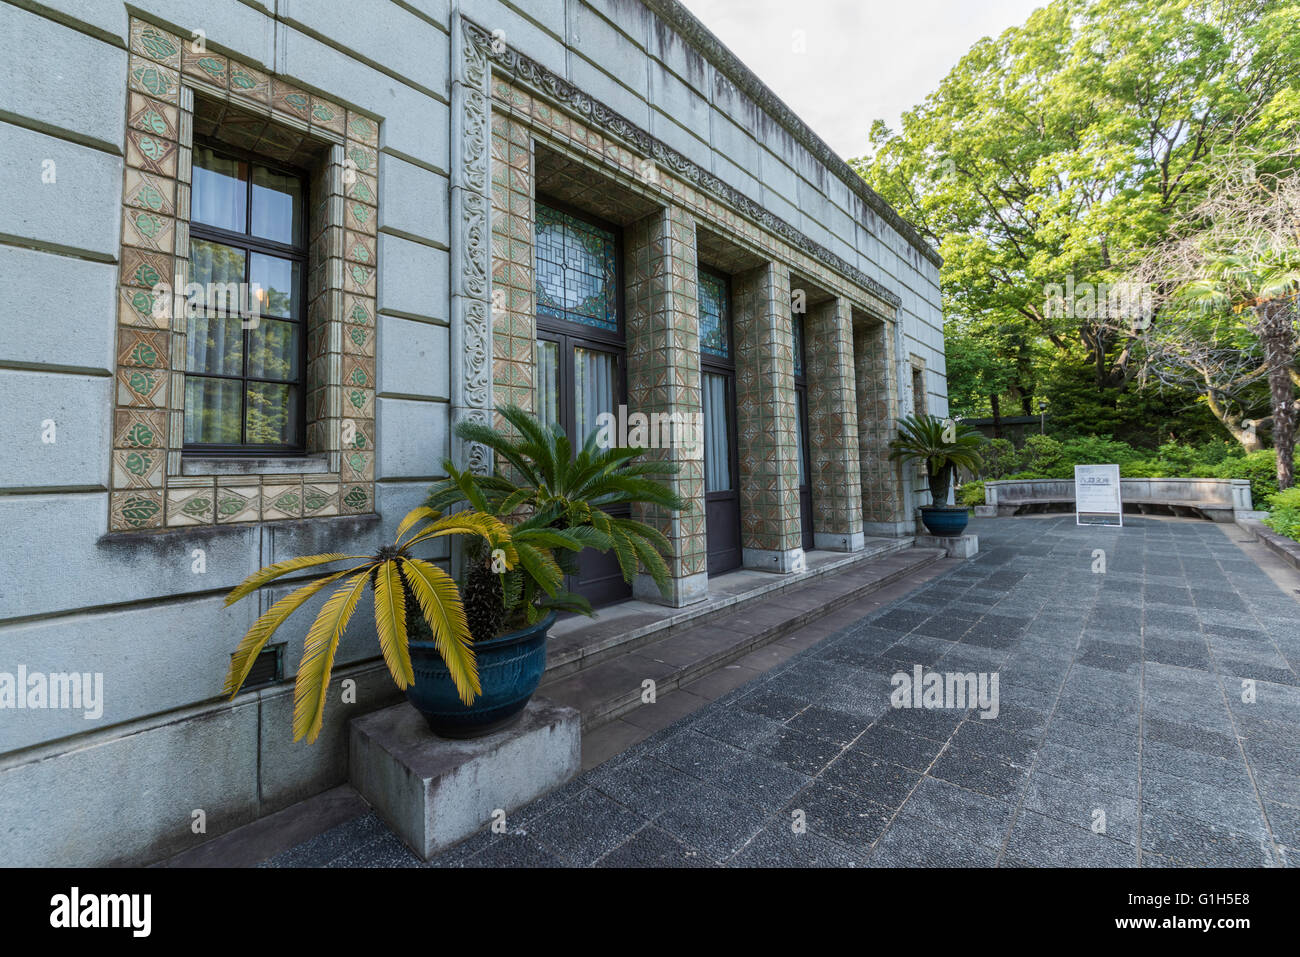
x=557 y=503
x=1284 y=512
x=942 y=444
x=1048 y=457
x=971 y=493
x=1000 y=458
x=1259 y=467
x=1042 y=453
x=1065 y=148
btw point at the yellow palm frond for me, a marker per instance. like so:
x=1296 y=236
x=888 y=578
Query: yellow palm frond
x=465 y=523
x=318 y=657
x=390 y=623
x=413 y=517
x=439 y=600
x=271 y=572
x=251 y=644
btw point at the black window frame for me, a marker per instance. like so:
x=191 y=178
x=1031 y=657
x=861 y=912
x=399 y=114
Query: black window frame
x=250 y=244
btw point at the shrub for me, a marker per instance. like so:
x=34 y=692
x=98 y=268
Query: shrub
x=1041 y=453
x=1288 y=499
x=1000 y=458
x=1285 y=521
x=971 y=493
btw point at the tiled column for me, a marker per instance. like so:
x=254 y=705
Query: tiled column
x=769 y=465
x=513 y=325
x=878 y=409
x=663 y=357
x=833 y=427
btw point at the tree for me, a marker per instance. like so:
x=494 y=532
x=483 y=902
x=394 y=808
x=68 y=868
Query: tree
x=1061 y=152
x=1234 y=267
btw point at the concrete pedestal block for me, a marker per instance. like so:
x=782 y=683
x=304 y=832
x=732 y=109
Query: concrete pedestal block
x=957 y=546
x=433 y=791
x=986 y=511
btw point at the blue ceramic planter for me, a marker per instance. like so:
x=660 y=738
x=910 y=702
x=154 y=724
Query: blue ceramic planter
x=509 y=669
x=946 y=521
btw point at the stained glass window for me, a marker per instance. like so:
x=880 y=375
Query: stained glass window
x=576 y=276
x=798 y=345
x=715 y=314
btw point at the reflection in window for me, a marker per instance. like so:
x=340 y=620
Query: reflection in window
x=717 y=433
x=245 y=335
x=595 y=379
x=546 y=382
x=575 y=266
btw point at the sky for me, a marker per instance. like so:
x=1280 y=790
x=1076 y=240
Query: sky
x=861 y=60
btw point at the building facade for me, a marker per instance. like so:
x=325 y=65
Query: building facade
x=273 y=251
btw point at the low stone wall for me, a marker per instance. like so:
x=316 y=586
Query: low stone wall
x=1220 y=500
x=1287 y=549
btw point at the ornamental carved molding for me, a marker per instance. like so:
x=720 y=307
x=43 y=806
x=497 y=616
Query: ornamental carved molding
x=471 y=246
x=537 y=77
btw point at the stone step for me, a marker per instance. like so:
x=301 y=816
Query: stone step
x=578 y=643
x=613 y=686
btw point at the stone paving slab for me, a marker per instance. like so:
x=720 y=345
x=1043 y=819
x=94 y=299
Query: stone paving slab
x=1122 y=738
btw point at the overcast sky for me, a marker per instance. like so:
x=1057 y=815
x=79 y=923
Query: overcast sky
x=863 y=59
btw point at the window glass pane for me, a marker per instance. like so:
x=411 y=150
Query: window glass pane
x=273 y=350
x=215 y=344
x=715 y=315
x=595 y=375
x=272 y=417
x=275 y=284
x=798 y=345
x=802 y=425
x=212 y=411
x=220 y=194
x=576 y=276
x=546 y=382
x=717 y=439
x=218 y=271
x=277 y=206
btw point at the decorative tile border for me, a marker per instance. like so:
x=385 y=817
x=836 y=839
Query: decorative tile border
x=149 y=490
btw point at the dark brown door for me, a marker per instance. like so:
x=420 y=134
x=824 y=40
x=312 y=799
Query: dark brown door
x=721 y=496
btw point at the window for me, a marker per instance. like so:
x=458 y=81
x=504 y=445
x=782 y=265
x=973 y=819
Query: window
x=580 y=360
x=577 y=270
x=246 y=342
x=580 y=368
x=918 y=390
x=717 y=375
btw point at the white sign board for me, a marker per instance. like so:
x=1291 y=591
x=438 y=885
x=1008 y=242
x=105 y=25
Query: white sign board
x=1096 y=493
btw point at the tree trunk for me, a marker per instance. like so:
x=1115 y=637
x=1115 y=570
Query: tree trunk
x=996 y=402
x=1277 y=335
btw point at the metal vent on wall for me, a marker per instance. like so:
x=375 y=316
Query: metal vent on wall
x=267 y=668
